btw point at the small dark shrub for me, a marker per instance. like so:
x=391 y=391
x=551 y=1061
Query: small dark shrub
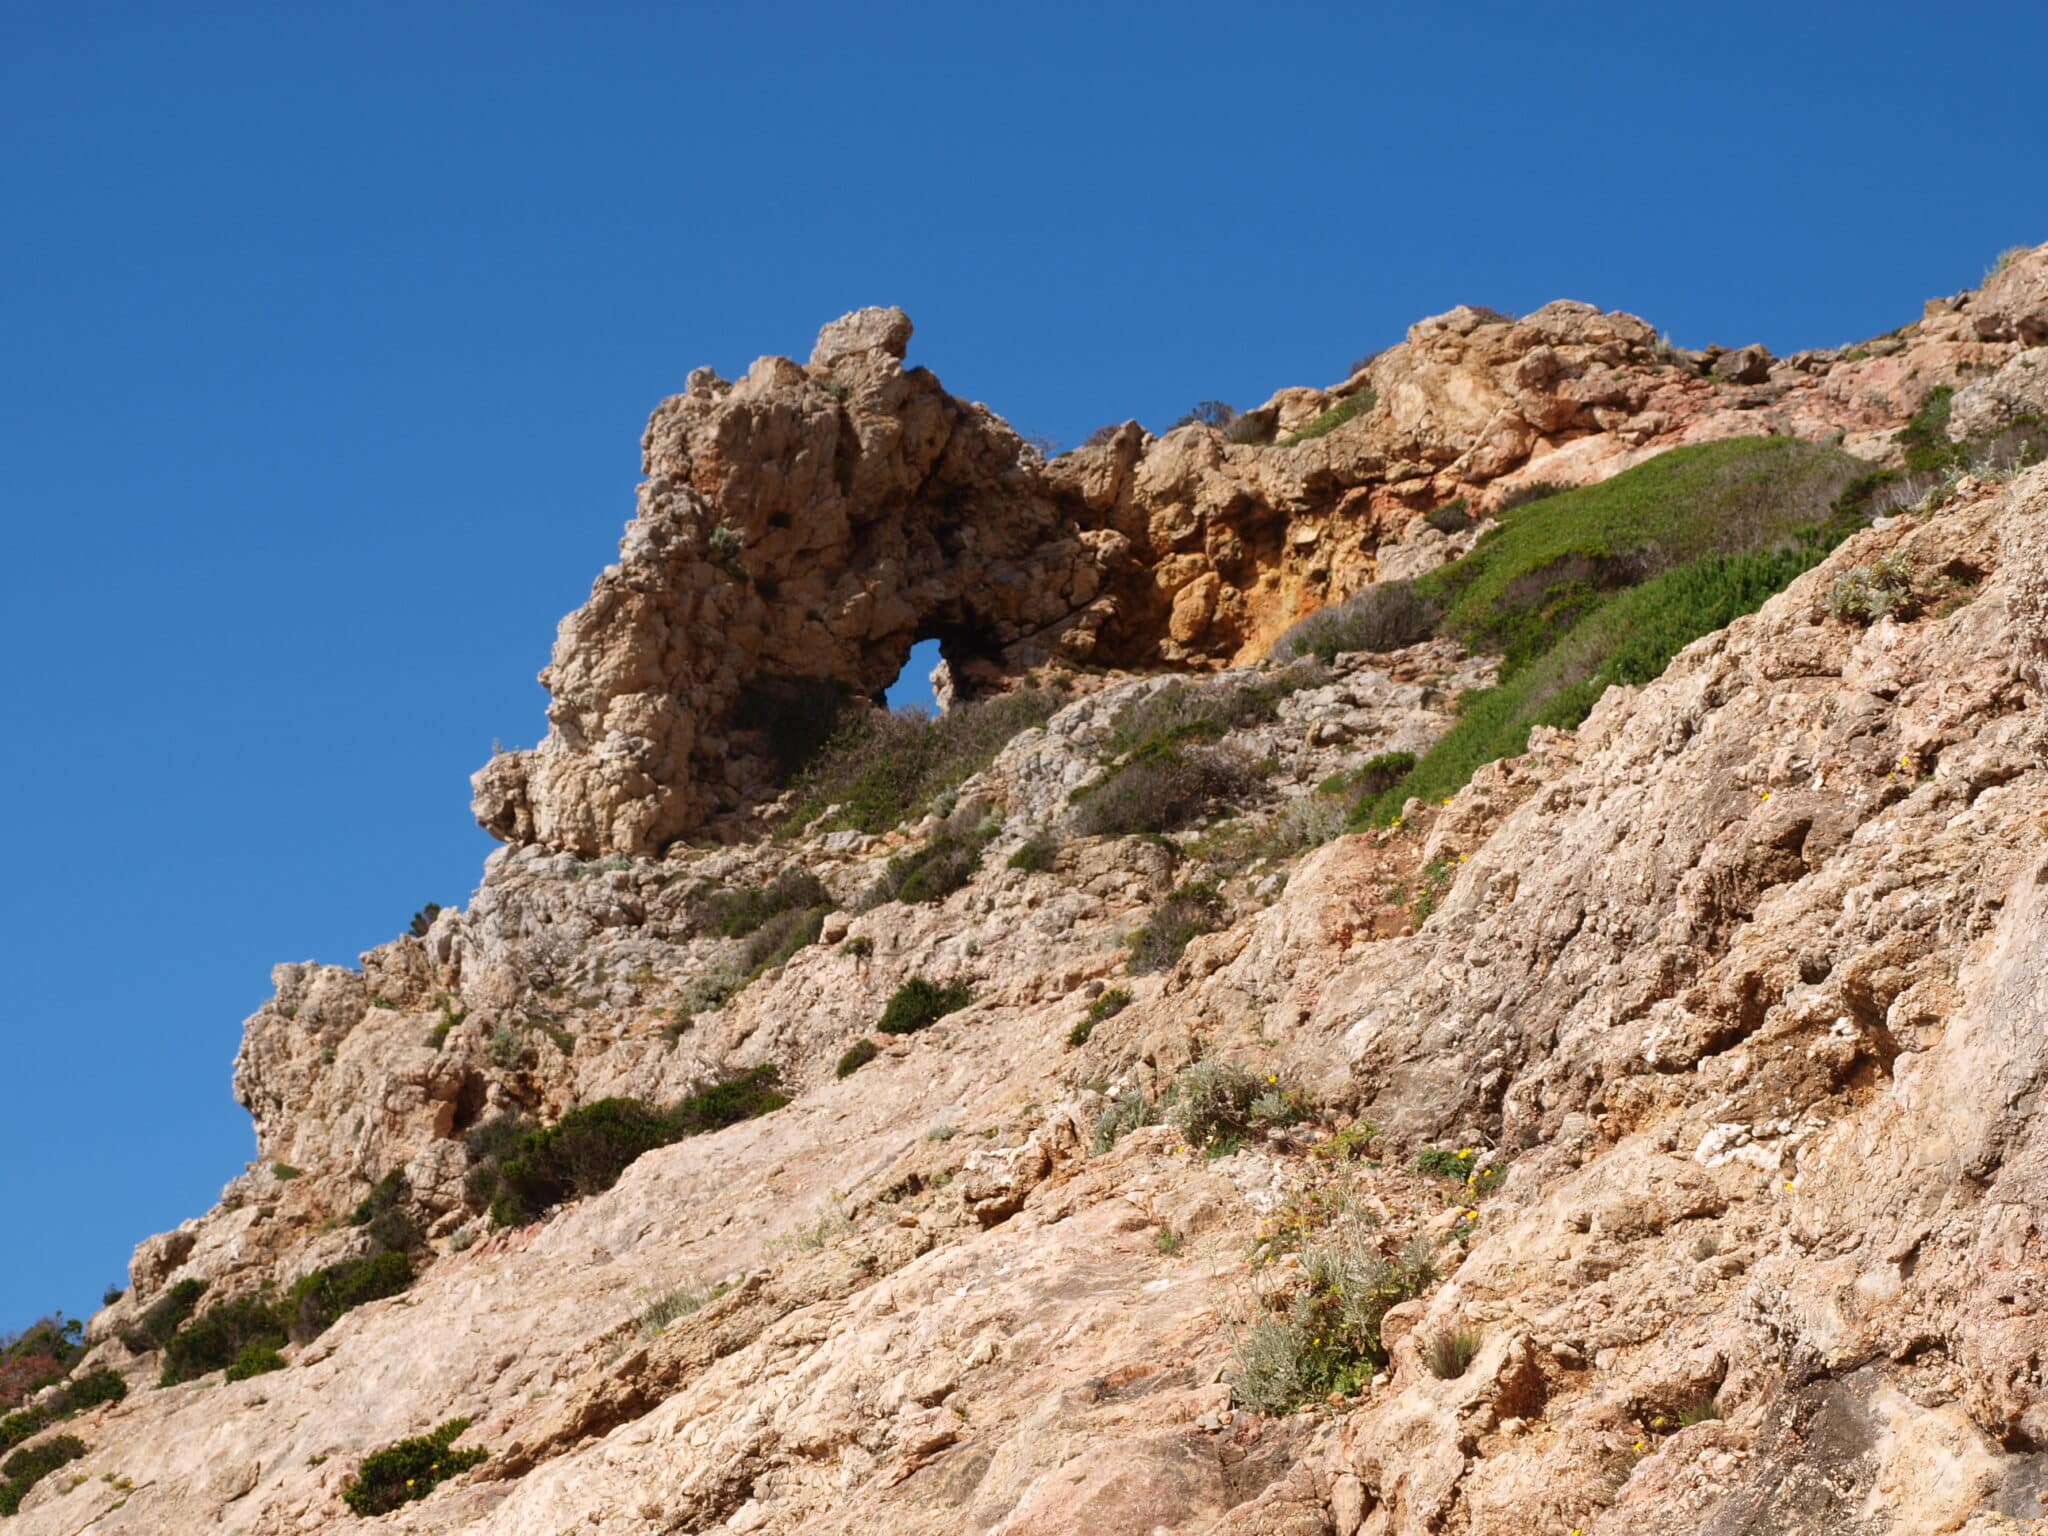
x=858 y=1055
x=776 y=940
x=919 y=1004
x=1328 y=1338
x=1193 y=910
x=1081 y=1032
x=409 y=1470
x=1253 y=429
x=945 y=863
x=423 y=920
x=1451 y=517
x=316 y=1300
x=1364 y=361
x=1377 y=775
x=585 y=1151
x=24 y=1469
x=383 y=1214
x=1385 y=616
x=1106 y=1006
x=1102 y=436
x=214 y=1340
x=112 y=1294
x=258 y=1358
x=1037 y=855
x=165 y=1315
x=736 y=913
x=1127 y=1112
x=95 y=1387
x=860 y=946
x=1450 y=1352
x=1161 y=789
x=1442 y=1163
x=1207 y=413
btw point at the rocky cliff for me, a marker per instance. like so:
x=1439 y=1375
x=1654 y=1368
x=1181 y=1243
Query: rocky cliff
x=1641 y=1139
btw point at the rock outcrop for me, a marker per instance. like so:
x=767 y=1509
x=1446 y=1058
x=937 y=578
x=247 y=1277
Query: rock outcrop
x=1729 y=1002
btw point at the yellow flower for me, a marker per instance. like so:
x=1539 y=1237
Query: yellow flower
x=1767 y=794
x=1639 y=1447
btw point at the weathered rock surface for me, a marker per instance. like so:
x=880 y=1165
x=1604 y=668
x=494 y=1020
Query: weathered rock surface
x=1741 y=981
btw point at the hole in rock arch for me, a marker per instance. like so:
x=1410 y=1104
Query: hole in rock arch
x=913 y=686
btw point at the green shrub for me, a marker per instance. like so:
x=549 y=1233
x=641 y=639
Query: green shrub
x=919 y=1004
x=1442 y=1163
x=1883 y=589
x=1328 y=1338
x=1036 y=855
x=945 y=863
x=1924 y=437
x=258 y=1358
x=879 y=766
x=1212 y=1102
x=1106 y=1006
x=1385 y=616
x=216 y=1338
x=1452 y=517
x=1182 y=712
x=585 y=1151
x=25 y=1468
x=423 y=920
x=1350 y=407
x=383 y=1214
x=316 y=1300
x=1450 y=1352
x=857 y=1055
x=776 y=940
x=164 y=1316
x=1194 y=909
x=735 y=913
x=1161 y=789
x=409 y=1470
x=860 y=946
x=87 y=1391
x=1127 y=1112
x=1207 y=413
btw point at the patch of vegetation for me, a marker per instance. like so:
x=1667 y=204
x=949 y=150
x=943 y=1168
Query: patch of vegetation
x=860 y=946
x=1253 y=429
x=423 y=920
x=409 y=1470
x=1522 y=495
x=1328 y=1337
x=1881 y=590
x=88 y=1391
x=1168 y=1241
x=585 y=1151
x=217 y=1337
x=315 y=1301
x=38 y=1355
x=25 y=1468
x=945 y=863
x=1630 y=639
x=1450 y=1352
x=919 y=1004
x=163 y=1317
x=1207 y=413
x=1924 y=437
x=1181 y=712
x=1194 y=909
x=1548 y=565
x=1349 y=1143
x=383 y=1214
x=1385 y=616
x=259 y=1357
x=1161 y=789
x=879 y=767
x=1037 y=854
x=678 y=1303
x=1213 y=1103
x=1106 y=1006
x=1352 y=406
x=1127 y=1112
x=1452 y=517
x=734 y=913
x=857 y=1055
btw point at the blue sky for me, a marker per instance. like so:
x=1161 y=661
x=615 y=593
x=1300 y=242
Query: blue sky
x=327 y=334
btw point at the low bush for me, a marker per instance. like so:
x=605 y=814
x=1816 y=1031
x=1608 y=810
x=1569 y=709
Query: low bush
x=423 y=920
x=1214 y=1103
x=1207 y=413
x=1182 y=712
x=857 y=1055
x=1450 y=1352
x=216 y=1338
x=25 y=1468
x=734 y=913
x=1162 y=789
x=38 y=1355
x=409 y=1470
x=585 y=1151
x=93 y=1388
x=384 y=1215
x=776 y=941
x=1126 y=1113
x=164 y=1316
x=1036 y=855
x=1352 y=406
x=1253 y=429
x=879 y=767
x=315 y=1301
x=1451 y=517
x=945 y=863
x=919 y=1004
x=259 y=1357
x=1883 y=589
x=1385 y=616
x=1328 y=1337
x=1194 y=909
x=1107 y=1006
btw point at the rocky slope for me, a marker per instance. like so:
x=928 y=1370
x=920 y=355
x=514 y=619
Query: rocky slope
x=1718 y=1023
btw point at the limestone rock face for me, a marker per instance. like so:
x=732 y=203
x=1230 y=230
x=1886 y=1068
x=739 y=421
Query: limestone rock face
x=806 y=525
x=1739 y=985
